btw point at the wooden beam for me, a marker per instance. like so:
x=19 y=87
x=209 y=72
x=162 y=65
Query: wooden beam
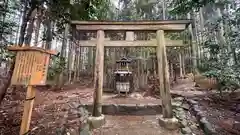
x=28 y=48
x=163 y=76
x=168 y=25
x=129 y=43
x=98 y=79
x=136 y=22
x=148 y=27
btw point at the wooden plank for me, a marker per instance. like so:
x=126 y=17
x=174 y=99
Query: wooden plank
x=153 y=43
x=45 y=67
x=29 y=48
x=21 y=73
x=16 y=70
x=136 y=22
x=164 y=76
x=134 y=27
x=41 y=63
x=99 y=66
x=23 y=68
x=130 y=36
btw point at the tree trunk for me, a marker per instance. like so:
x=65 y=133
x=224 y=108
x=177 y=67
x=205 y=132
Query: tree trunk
x=30 y=28
x=3 y=16
x=163 y=10
x=44 y=32
x=25 y=18
x=70 y=60
x=48 y=35
x=175 y=72
x=180 y=65
x=18 y=28
x=202 y=32
x=5 y=81
x=37 y=28
x=193 y=44
x=60 y=82
x=183 y=65
x=79 y=68
x=220 y=30
x=76 y=63
x=171 y=70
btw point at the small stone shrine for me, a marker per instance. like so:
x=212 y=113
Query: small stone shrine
x=123 y=76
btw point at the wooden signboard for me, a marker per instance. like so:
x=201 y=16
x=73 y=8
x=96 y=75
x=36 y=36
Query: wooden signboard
x=31 y=66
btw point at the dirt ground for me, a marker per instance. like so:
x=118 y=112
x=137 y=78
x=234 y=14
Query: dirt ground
x=222 y=112
x=133 y=125
x=51 y=106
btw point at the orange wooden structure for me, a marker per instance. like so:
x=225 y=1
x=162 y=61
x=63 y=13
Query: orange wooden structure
x=31 y=66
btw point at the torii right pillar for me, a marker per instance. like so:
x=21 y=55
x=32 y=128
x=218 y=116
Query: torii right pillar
x=166 y=119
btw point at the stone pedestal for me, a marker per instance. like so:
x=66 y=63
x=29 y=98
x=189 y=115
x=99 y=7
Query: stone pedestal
x=168 y=123
x=96 y=122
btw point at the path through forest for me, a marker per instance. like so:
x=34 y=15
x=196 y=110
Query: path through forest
x=51 y=111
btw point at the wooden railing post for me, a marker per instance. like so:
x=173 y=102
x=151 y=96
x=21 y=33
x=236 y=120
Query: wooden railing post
x=27 y=112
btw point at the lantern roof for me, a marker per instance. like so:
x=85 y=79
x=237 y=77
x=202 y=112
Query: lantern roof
x=123 y=60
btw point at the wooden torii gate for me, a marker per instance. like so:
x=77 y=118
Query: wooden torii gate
x=160 y=27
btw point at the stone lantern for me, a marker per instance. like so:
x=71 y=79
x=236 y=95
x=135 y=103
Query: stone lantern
x=123 y=76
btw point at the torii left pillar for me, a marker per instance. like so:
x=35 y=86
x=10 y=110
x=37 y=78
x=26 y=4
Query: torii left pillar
x=97 y=119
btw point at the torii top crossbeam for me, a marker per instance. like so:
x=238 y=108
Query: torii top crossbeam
x=166 y=25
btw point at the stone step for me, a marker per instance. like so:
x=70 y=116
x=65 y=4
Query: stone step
x=127 y=109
